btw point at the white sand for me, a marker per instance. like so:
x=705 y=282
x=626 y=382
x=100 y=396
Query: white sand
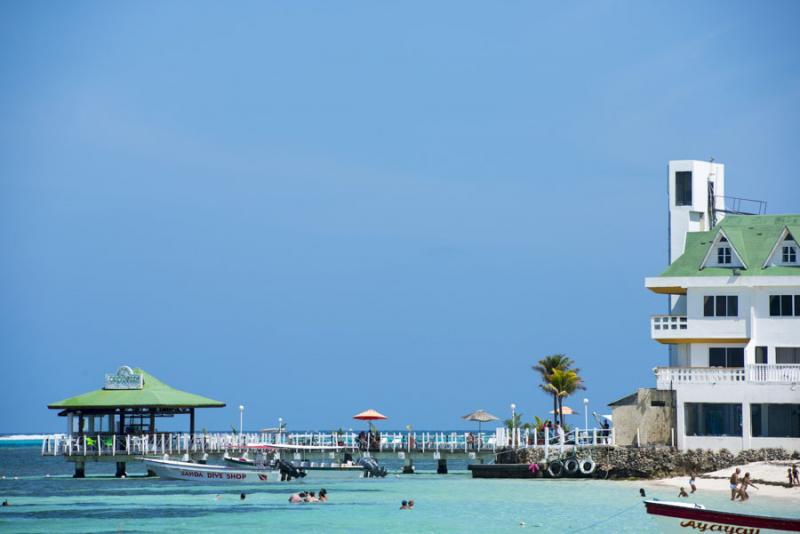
x=774 y=472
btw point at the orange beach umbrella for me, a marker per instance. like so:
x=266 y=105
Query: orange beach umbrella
x=370 y=415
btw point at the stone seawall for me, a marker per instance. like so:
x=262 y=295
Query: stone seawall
x=632 y=462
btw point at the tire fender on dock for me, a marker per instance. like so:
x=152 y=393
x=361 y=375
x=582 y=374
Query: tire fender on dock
x=555 y=469
x=587 y=466
x=571 y=466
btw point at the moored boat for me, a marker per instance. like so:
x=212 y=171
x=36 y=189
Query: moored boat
x=688 y=517
x=210 y=473
x=313 y=469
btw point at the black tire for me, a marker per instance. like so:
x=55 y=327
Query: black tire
x=555 y=469
x=571 y=466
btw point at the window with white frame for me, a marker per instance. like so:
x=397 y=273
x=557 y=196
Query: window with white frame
x=724 y=255
x=789 y=254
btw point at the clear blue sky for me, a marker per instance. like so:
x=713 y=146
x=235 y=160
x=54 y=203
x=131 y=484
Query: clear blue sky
x=314 y=208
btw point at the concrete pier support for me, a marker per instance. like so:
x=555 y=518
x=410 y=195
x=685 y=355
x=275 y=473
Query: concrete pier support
x=121 y=470
x=408 y=467
x=80 y=470
x=441 y=468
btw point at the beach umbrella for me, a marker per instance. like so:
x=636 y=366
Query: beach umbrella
x=566 y=410
x=369 y=415
x=480 y=416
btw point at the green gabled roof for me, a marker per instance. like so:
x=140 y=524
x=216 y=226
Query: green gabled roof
x=753 y=237
x=154 y=394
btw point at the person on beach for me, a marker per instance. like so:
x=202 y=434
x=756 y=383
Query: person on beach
x=404 y=505
x=734 y=483
x=683 y=493
x=691 y=482
x=323 y=495
x=790 y=477
x=796 y=475
x=744 y=485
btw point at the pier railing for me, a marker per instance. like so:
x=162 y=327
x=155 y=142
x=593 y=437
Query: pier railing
x=177 y=444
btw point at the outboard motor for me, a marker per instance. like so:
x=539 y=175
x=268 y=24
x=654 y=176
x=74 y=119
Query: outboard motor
x=372 y=467
x=289 y=471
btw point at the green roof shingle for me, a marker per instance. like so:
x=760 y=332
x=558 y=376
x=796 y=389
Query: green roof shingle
x=154 y=393
x=753 y=237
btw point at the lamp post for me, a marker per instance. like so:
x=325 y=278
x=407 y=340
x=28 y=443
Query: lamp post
x=241 y=419
x=513 y=424
x=586 y=414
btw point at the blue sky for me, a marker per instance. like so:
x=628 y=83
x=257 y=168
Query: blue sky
x=314 y=208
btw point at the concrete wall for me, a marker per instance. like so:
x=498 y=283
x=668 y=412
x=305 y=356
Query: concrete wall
x=637 y=411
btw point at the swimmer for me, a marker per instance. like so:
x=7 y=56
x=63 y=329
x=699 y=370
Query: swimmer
x=310 y=497
x=323 y=495
x=404 y=505
x=411 y=504
x=683 y=493
x=6 y=503
x=297 y=497
x=242 y=496
x=642 y=493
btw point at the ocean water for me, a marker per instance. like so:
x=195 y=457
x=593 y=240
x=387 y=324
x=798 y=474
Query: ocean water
x=444 y=503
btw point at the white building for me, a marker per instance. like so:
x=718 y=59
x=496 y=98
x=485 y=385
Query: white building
x=733 y=327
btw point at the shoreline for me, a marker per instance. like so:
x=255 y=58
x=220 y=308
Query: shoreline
x=769 y=477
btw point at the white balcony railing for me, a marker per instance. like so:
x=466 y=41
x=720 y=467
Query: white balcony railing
x=756 y=373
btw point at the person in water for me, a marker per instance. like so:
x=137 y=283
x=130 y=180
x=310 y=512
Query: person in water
x=242 y=496
x=6 y=503
x=323 y=495
x=411 y=504
x=743 y=487
x=404 y=505
x=734 y=483
x=691 y=482
x=297 y=497
x=683 y=493
x=310 y=497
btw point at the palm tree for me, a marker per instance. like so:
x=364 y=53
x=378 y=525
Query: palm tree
x=562 y=384
x=545 y=368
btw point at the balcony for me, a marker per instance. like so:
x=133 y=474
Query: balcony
x=667 y=377
x=681 y=329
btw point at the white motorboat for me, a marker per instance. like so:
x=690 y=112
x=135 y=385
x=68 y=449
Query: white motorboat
x=313 y=469
x=210 y=473
x=688 y=517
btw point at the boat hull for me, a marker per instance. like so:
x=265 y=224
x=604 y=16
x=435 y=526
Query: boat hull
x=211 y=473
x=683 y=517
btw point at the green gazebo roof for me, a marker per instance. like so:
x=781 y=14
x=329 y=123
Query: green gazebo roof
x=153 y=394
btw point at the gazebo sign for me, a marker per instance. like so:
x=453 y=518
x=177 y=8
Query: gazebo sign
x=124 y=378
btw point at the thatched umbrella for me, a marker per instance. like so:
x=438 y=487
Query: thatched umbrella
x=480 y=416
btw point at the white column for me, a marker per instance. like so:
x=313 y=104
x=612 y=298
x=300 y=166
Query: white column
x=746 y=425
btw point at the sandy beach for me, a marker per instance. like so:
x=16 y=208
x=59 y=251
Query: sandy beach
x=769 y=477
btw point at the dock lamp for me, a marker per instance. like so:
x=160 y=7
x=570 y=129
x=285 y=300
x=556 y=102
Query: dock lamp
x=586 y=414
x=513 y=423
x=241 y=418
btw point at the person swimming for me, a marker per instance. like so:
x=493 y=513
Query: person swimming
x=683 y=493
x=323 y=495
x=404 y=505
x=411 y=504
x=296 y=498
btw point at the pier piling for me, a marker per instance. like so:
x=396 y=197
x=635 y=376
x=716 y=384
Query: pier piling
x=441 y=467
x=408 y=468
x=121 y=470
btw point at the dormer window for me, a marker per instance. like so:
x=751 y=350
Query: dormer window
x=789 y=254
x=724 y=255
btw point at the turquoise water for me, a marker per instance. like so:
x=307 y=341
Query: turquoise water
x=444 y=503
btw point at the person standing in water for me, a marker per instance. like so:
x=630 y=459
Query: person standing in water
x=734 y=483
x=743 y=487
